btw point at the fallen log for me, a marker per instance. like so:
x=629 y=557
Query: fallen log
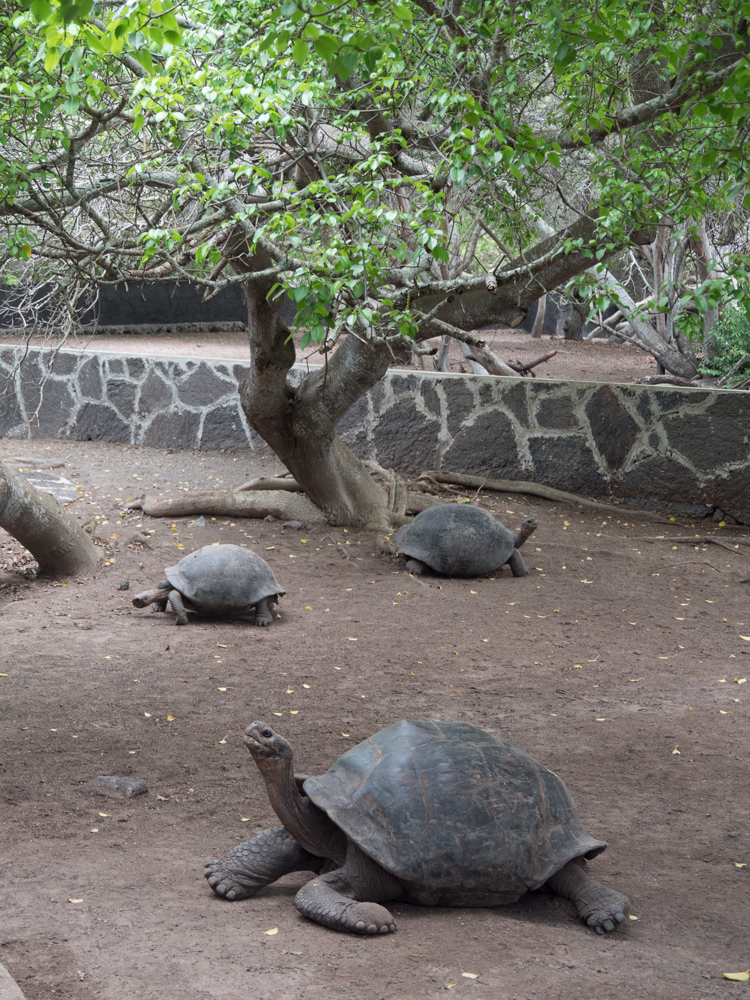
x=677 y=380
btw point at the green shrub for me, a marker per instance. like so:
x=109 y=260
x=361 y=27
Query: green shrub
x=731 y=338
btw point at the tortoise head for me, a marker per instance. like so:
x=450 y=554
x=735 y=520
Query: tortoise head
x=265 y=745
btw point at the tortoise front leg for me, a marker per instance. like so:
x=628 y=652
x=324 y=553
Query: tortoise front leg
x=258 y=862
x=601 y=908
x=175 y=599
x=345 y=899
x=517 y=565
x=416 y=567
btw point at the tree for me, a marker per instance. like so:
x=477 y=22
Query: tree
x=382 y=163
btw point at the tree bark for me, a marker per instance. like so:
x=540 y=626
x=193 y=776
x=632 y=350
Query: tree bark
x=573 y=323
x=538 y=328
x=50 y=532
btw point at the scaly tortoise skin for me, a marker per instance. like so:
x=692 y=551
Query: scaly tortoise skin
x=460 y=540
x=436 y=813
x=216 y=580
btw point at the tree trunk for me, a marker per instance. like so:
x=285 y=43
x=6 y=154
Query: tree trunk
x=538 y=328
x=50 y=532
x=574 y=321
x=299 y=422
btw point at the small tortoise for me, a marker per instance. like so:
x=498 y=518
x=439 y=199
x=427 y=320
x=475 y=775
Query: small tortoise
x=459 y=540
x=437 y=813
x=216 y=580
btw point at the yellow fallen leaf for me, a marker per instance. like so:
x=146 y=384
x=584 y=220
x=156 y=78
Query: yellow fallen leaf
x=578 y=666
x=306 y=686
x=739 y=977
x=676 y=751
x=294 y=711
x=222 y=645
x=678 y=619
x=274 y=930
x=94 y=829
x=740 y=864
x=632 y=917
x=352 y=640
x=345 y=734
x=245 y=819
x=745 y=637
x=277 y=713
x=74 y=900
x=104 y=814
x=308 y=608
x=269 y=547
x=449 y=986
x=587 y=581
x=4 y=675
x=470 y=975
x=601 y=720
x=722 y=712
x=221 y=689
x=170 y=718
x=472 y=591
x=147 y=714
x=740 y=680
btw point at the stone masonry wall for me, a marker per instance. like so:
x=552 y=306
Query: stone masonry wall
x=683 y=450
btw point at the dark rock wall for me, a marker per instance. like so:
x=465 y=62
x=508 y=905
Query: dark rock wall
x=683 y=450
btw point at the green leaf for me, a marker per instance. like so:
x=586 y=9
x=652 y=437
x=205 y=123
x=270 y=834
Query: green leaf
x=71 y=105
x=40 y=9
x=402 y=13
x=300 y=51
x=51 y=60
x=138 y=123
x=565 y=55
x=144 y=58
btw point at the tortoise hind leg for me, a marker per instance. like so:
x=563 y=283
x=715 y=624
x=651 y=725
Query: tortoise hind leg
x=346 y=899
x=264 y=611
x=601 y=908
x=258 y=862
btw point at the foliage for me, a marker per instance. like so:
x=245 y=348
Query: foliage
x=356 y=148
x=731 y=341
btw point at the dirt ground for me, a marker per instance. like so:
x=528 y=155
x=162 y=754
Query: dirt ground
x=590 y=361
x=638 y=701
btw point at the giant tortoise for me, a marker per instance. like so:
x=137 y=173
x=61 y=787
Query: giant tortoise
x=216 y=580
x=459 y=540
x=437 y=813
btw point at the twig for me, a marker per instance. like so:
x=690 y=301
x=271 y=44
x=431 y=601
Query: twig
x=735 y=368
x=521 y=368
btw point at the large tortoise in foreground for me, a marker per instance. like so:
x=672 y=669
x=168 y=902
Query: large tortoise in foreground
x=458 y=540
x=216 y=580
x=437 y=813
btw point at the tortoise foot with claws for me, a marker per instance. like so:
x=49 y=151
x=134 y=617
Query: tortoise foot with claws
x=436 y=813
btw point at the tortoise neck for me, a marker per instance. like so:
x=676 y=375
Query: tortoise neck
x=309 y=825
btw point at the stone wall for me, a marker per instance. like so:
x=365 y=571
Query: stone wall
x=683 y=450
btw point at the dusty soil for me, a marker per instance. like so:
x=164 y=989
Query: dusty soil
x=588 y=361
x=617 y=662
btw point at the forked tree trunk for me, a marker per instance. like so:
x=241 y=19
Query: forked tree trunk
x=299 y=423
x=50 y=532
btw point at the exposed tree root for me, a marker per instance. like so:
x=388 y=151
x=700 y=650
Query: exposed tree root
x=536 y=490
x=276 y=503
x=49 y=531
x=270 y=483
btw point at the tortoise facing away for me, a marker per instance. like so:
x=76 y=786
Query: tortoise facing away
x=216 y=580
x=459 y=540
x=437 y=813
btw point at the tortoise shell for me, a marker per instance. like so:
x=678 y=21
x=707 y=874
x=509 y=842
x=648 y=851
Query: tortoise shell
x=456 y=540
x=460 y=817
x=223 y=579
